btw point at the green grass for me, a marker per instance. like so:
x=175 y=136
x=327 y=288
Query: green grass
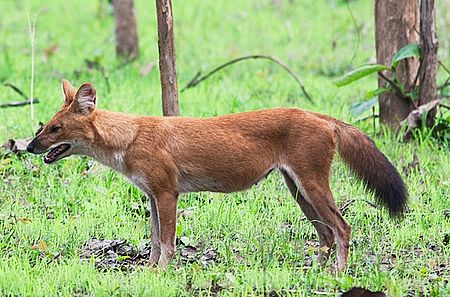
x=263 y=241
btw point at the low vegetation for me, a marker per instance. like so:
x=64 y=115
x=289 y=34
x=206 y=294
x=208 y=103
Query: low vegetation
x=251 y=243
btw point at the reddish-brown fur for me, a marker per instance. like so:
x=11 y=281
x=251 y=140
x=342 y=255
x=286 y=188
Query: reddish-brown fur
x=166 y=156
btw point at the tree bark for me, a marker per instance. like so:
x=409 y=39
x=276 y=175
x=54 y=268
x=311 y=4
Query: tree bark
x=127 y=45
x=396 y=25
x=167 y=69
x=428 y=49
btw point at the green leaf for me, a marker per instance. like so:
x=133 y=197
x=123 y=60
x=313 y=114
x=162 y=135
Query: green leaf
x=359 y=73
x=358 y=108
x=185 y=240
x=122 y=258
x=179 y=230
x=376 y=92
x=408 y=51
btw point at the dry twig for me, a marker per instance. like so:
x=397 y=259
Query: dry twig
x=18 y=103
x=198 y=78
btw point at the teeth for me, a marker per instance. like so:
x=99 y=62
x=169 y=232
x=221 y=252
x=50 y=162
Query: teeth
x=53 y=154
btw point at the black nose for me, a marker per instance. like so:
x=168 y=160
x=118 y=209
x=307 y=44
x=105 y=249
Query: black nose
x=30 y=147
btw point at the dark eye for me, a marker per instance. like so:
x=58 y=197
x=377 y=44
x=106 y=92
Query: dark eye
x=54 y=129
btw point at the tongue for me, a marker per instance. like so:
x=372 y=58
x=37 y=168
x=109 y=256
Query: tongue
x=54 y=153
x=49 y=159
x=51 y=156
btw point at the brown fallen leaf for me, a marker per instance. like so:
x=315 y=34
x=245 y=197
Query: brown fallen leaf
x=50 y=51
x=324 y=249
x=40 y=246
x=25 y=220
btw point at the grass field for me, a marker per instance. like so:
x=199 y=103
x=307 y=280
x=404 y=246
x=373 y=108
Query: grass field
x=264 y=244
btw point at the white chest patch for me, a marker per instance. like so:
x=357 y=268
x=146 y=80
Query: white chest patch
x=113 y=160
x=118 y=156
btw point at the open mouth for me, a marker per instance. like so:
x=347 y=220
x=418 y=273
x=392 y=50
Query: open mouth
x=56 y=153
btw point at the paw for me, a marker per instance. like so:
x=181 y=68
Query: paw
x=154 y=257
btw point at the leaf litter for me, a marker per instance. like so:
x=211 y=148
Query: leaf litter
x=120 y=255
x=16 y=146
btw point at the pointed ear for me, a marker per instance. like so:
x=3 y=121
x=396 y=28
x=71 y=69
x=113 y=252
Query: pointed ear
x=85 y=99
x=69 y=92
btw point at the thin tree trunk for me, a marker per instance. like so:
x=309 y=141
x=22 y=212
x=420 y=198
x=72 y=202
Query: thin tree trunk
x=127 y=45
x=396 y=25
x=428 y=48
x=167 y=69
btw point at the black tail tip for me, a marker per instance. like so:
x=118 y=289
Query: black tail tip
x=394 y=197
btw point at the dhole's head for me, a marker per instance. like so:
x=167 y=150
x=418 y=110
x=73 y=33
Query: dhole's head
x=70 y=131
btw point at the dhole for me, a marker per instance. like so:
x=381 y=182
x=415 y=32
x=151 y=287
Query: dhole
x=167 y=156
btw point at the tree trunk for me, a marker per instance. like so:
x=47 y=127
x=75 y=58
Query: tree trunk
x=167 y=69
x=127 y=45
x=396 y=25
x=428 y=49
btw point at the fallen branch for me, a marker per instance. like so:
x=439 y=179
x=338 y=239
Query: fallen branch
x=19 y=103
x=370 y=203
x=444 y=106
x=198 y=79
x=346 y=205
x=372 y=116
x=414 y=118
x=19 y=91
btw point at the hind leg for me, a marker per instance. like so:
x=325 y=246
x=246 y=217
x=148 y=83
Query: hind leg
x=321 y=199
x=326 y=237
x=308 y=162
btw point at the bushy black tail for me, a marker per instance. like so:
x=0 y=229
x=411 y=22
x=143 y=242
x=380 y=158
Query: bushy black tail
x=372 y=167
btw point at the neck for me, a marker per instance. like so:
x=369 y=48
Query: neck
x=113 y=132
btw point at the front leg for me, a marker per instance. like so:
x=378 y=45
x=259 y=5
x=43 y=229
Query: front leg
x=158 y=179
x=156 y=241
x=166 y=203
